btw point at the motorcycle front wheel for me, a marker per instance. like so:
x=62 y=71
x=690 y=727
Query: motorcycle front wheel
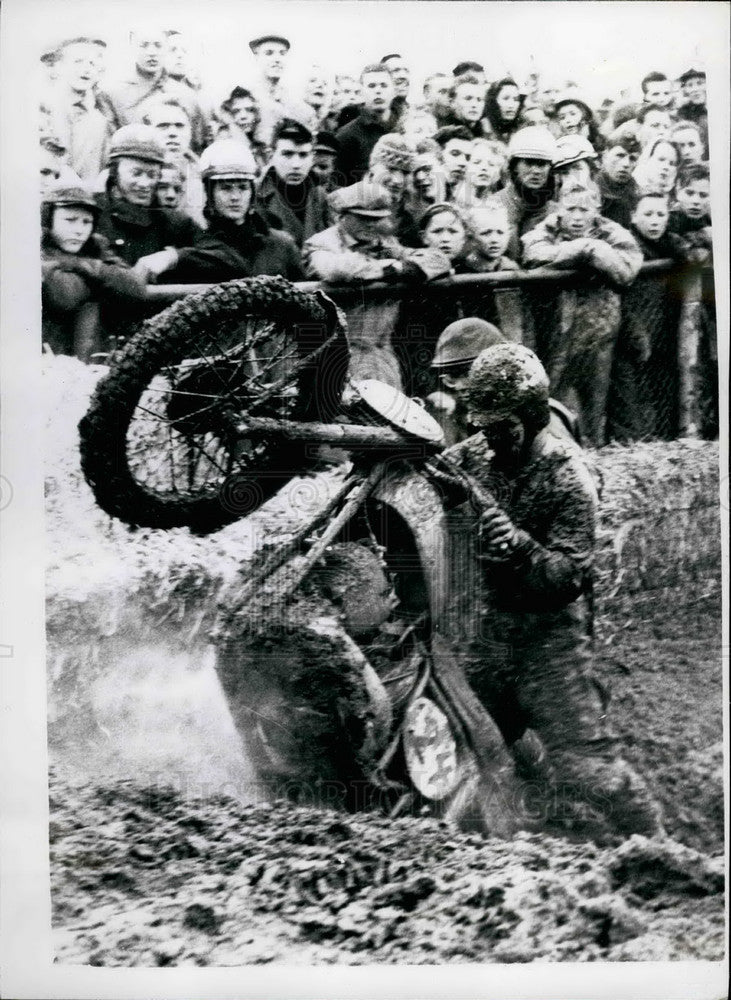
x=157 y=444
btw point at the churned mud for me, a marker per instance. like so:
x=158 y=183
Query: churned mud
x=164 y=851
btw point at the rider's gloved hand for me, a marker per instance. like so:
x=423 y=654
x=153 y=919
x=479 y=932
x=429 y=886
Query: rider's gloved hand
x=499 y=538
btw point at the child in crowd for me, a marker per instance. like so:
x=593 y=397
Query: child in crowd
x=577 y=352
x=80 y=273
x=690 y=216
x=443 y=228
x=489 y=231
x=170 y=188
x=643 y=398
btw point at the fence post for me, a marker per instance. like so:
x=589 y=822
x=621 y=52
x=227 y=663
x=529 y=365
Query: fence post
x=689 y=335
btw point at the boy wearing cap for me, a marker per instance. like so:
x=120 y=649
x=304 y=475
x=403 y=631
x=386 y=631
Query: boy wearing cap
x=391 y=165
x=360 y=247
x=324 y=154
x=79 y=271
x=288 y=197
x=276 y=102
x=693 y=105
x=72 y=110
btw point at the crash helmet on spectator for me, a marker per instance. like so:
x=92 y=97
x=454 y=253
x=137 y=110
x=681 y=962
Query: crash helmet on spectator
x=461 y=342
x=572 y=149
x=532 y=143
x=227 y=159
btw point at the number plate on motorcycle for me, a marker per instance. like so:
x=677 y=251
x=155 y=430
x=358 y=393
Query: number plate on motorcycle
x=430 y=750
x=401 y=412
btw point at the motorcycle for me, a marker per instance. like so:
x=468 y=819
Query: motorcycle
x=211 y=409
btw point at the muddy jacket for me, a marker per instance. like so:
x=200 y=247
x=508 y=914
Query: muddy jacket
x=643 y=393
x=552 y=502
x=507 y=309
x=608 y=249
x=226 y=252
x=579 y=330
x=134 y=231
x=273 y=206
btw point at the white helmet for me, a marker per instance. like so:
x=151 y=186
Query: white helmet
x=534 y=142
x=227 y=159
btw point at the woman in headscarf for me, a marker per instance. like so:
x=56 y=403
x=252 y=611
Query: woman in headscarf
x=503 y=105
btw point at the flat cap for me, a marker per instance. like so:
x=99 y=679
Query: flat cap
x=51 y=54
x=363 y=198
x=690 y=73
x=325 y=142
x=256 y=42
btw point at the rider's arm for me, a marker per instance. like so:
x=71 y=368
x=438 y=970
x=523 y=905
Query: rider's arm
x=549 y=574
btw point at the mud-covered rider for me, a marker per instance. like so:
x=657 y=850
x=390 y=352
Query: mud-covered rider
x=536 y=544
x=458 y=346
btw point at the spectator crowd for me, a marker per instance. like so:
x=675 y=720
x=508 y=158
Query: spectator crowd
x=380 y=177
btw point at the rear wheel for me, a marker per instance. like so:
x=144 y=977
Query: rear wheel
x=158 y=445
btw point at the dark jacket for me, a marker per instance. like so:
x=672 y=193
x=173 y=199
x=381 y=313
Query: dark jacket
x=618 y=200
x=279 y=213
x=134 y=231
x=226 y=252
x=357 y=139
x=522 y=216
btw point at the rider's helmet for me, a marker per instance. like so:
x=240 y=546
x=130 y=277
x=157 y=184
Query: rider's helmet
x=534 y=142
x=461 y=342
x=227 y=159
x=572 y=149
x=508 y=380
x=138 y=141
